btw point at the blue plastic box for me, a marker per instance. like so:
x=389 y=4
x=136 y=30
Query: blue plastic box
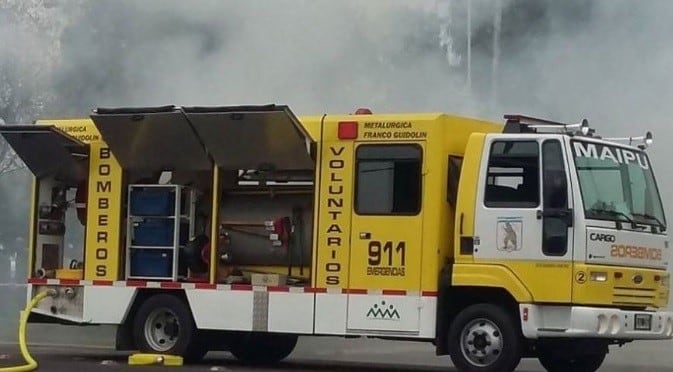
x=158 y=232
x=152 y=201
x=151 y=262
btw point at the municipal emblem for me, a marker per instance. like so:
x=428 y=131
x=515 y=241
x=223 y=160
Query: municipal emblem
x=509 y=234
x=383 y=312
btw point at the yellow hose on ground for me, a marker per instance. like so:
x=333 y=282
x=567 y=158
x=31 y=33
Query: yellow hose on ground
x=31 y=364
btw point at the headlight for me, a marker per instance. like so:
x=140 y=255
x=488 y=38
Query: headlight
x=598 y=276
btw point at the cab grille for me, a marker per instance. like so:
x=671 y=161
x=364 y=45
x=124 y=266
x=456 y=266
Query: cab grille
x=630 y=296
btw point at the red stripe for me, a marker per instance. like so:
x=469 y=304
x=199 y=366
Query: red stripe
x=235 y=287
x=241 y=287
x=174 y=285
x=315 y=290
x=136 y=283
x=102 y=282
x=196 y=280
x=204 y=286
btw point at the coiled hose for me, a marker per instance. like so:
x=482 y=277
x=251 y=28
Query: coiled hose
x=31 y=364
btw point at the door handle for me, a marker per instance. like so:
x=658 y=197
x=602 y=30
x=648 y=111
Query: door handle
x=566 y=215
x=561 y=213
x=365 y=235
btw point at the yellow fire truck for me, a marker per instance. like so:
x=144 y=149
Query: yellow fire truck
x=241 y=228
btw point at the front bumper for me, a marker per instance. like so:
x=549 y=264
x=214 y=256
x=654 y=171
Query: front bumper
x=538 y=321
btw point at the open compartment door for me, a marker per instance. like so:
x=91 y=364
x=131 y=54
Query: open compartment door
x=151 y=139
x=48 y=151
x=266 y=137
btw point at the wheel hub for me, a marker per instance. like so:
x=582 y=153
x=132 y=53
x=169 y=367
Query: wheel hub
x=481 y=342
x=161 y=329
x=171 y=329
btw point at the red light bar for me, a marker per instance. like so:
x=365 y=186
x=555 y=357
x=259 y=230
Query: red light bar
x=348 y=130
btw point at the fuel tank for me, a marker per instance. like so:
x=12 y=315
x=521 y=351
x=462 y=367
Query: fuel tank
x=267 y=230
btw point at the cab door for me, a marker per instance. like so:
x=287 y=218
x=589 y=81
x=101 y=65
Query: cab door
x=522 y=218
x=386 y=237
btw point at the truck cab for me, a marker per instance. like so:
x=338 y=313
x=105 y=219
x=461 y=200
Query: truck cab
x=572 y=226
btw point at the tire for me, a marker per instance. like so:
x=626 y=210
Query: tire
x=485 y=338
x=263 y=348
x=581 y=363
x=163 y=324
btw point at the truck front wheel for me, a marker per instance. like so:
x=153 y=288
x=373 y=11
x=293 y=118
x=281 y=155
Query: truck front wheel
x=485 y=338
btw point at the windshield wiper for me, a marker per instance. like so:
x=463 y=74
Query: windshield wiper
x=614 y=213
x=651 y=217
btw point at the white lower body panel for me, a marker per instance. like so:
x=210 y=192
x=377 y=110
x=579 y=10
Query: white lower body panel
x=221 y=309
x=331 y=313
x=86 y=304
x=375 y=314
x=579 y=321
x=256 y=310
x=107 y=305
x=247 y=308
x=291 y=312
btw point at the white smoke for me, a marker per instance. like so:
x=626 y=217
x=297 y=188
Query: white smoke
x=30 y=54
x=604 y=60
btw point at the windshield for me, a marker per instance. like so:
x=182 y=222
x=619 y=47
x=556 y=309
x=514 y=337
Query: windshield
x=617 y=183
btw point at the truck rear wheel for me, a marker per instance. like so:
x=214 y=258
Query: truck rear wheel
x=263 y=348
x=580 y=363
x=163 y=324
x=485 y=338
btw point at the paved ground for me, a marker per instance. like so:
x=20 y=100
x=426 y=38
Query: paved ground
x=325 y=354
x=311 y=354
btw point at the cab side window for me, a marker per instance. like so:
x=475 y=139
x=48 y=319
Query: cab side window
x=453 y=179
x=512 y=177
x=554 y=229
x=388 y=179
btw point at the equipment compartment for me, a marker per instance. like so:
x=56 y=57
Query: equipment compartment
x=158 y=232
x=152 y=202
x=147 y=263
x=153 y=248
